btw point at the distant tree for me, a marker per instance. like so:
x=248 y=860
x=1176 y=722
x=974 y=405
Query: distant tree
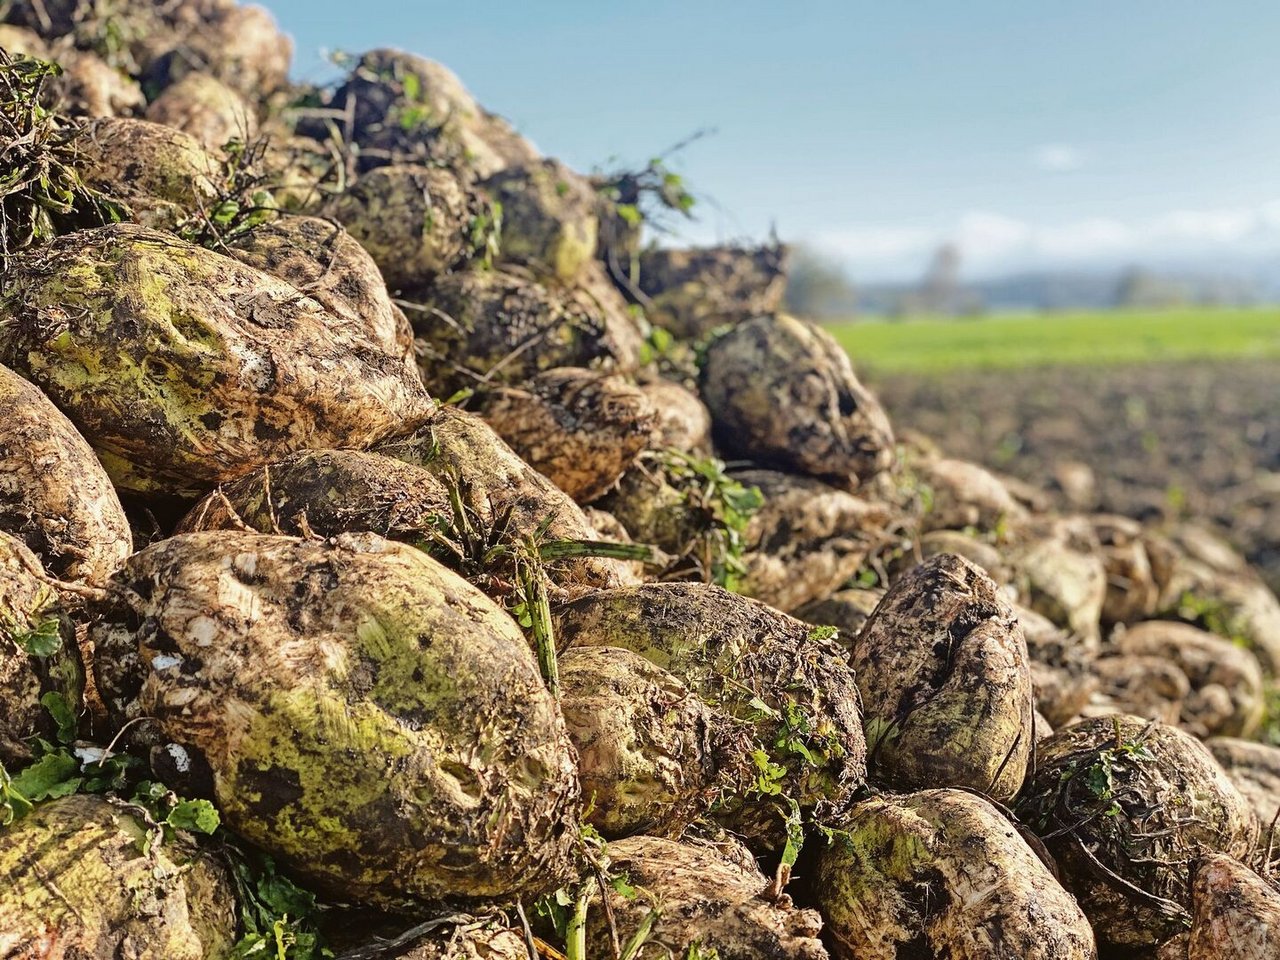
x=1143 y=289
x=1222 y=290
x=941 y=291
x=818 y=286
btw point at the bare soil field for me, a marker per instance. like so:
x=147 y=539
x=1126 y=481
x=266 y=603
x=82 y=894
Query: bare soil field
x=1199 y=439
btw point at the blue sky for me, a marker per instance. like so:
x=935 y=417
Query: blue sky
x=1081 y=134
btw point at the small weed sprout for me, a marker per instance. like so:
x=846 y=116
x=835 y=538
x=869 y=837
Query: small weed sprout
x=487 y=551
x=720 y=508
x=1214 y=615
x=648 y=196
x=242 y=201
x=41 y=191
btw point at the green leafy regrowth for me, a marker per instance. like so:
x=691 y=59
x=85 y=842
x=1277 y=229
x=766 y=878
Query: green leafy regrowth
x=63 y=769
x=640 y=936
x=658 y=346
x=39 y=636
x=62 y=713
x=799 y=743
x=1088 y=790
x=415 y=113
x=278 y=918
x=58 y=772
x=487 y=550
x=110 y=33
x=823 y=634
x=70 y=766
x=14 y=804
x=866 y=578
x=674 y=359
x=721 y=508
x=41 y=192
x=564 y=912
x=1099 y=776
x=1213 y=615
x=241 y=203
x=171 y=812
x=489 y=553
x=650 y=194
x=484 y=230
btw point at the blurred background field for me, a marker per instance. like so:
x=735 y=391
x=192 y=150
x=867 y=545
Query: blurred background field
x=1158 y=415
x=1117 y=336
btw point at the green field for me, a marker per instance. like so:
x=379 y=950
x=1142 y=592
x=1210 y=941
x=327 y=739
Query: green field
x=1051 y=339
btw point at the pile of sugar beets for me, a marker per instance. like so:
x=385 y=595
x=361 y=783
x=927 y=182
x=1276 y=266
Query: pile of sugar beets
x=399 y=558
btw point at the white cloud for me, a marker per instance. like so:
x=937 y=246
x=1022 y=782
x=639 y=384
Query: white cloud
x=992 y=243
x=1058 y=158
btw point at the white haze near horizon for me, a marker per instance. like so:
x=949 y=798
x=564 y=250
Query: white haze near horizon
x=992 y=244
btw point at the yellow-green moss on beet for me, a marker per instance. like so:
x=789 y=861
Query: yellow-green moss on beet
x=548 y=217
x=786 y=698
x=943 y=873
x=161 y=173
x=184 y=368
x=352 y=707
x=83 y=879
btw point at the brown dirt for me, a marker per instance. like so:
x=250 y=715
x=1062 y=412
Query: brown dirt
x=1201 y=439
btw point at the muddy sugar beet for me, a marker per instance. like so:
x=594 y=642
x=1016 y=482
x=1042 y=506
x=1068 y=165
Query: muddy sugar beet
x=352 y=707
x=1123 y=804
x=1236 y=912
x=54 y=494
x=782 y=690
x=82 y=880
x=183 y=367
x=946 y=686
x=783 y=390
x=942 y=873
x=504 y=326
x=711 y=902
x=646 y=751
x=579 y=428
